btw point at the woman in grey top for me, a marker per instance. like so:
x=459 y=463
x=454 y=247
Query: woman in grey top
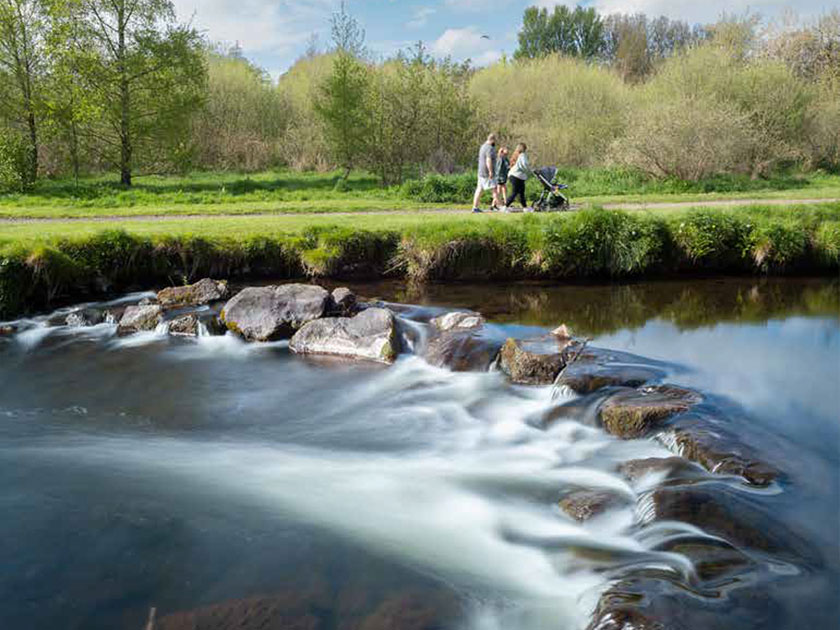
x=519 y=174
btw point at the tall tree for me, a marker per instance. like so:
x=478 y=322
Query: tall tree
x=22 y=31
x=148 y=72
x=342 y=102
x=575 y=33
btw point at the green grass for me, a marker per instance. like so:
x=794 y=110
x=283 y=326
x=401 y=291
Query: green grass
x=285 y=192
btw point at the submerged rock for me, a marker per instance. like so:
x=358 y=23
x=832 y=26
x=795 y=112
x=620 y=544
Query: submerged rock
x=276 y=312
x=582 y=505
x=202 y=292
x=140 y=318
x=372 y=334
x=535 y=361
x=671 y=467
x=634 y=413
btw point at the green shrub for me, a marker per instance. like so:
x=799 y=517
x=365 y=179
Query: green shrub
x=440 y=189
x=15 y=163
x=711 y=239
x=827 y=243
x=599 y=243
x=776 y=245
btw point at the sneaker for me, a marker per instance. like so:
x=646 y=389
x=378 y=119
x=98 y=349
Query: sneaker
x=477 y=210
x=504 y=209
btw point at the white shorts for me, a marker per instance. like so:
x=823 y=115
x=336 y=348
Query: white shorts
x=486 y=183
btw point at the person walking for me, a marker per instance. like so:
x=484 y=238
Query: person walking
x=502 y=170
x=519 y=174
x=486 y=171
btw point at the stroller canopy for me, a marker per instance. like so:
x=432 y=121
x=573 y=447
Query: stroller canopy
x=546 y=172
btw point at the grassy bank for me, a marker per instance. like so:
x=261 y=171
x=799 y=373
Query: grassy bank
x=290 y=192
x=40 y=264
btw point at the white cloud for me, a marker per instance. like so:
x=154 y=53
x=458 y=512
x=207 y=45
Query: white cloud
x=258 y=25
x=463 y=43
x=421 y=17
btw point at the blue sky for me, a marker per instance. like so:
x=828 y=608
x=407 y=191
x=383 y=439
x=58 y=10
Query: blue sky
x=273 y=33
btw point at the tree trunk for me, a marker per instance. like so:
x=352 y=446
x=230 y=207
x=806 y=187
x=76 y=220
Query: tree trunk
x=125 y=103
x=74 y=152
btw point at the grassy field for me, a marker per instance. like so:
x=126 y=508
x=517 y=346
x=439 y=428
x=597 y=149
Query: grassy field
x=287 y=192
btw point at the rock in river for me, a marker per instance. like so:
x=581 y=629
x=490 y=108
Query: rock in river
x=140 y=318
x=269 y=313
x=202 y=292
x=582 y=505
x=535 y=361
x=87 y=317
x=344 y=302
x=460 y=342
x=633 y=413
x=372 y=334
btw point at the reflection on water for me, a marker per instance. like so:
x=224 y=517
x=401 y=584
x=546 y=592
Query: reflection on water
x=220 y=482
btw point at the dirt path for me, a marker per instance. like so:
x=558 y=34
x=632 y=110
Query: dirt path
x=666 y=205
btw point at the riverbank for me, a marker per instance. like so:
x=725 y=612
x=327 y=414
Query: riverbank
x=43 y=264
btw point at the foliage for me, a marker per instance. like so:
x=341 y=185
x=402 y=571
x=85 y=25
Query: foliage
x=15 y=163
x=575 y=33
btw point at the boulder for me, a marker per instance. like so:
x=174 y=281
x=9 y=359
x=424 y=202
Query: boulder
x=634 y=413
x=345 y=302
x=372 y=334
x=202 y=292
x=460 y=343
x=276 y=312
x=582 y=505
x=7 y=330
x=140 y=318
x=186 y=325
x=535 y=361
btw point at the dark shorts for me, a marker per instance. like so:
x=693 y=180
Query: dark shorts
x=501 y=181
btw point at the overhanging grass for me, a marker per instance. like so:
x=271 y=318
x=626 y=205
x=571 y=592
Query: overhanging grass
x=42 y=262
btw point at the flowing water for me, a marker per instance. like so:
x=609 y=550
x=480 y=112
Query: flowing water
x=181 y=474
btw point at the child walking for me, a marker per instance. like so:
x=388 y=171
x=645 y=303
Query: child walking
x=502 y=170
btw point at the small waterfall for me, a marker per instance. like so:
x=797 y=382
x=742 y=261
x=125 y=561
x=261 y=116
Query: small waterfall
x=414 y=336
x=162 y=329
x=203 y=331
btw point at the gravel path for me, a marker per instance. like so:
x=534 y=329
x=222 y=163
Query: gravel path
x=666 y=205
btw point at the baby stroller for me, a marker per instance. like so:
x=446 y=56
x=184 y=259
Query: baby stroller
x=551 y=199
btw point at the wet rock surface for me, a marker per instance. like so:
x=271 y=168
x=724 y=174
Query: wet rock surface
x=202 y=292
x=635 y=413
x=596 y=369
x=583 y=505
x=140 y=318
x=7 y=330
x=671 y=468
x=85 y=317
x=372 y=334
x=535 y=361
x=186 y=325
x=460 y=342
x=274 y=312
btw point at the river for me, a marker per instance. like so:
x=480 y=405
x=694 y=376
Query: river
x=216 y=480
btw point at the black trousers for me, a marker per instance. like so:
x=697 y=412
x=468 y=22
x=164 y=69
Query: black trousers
x=518 y=191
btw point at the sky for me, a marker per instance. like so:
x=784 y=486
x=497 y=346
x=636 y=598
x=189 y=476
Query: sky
x=273 y=33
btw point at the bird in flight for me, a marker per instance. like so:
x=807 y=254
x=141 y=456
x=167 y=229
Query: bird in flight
x=485 y=37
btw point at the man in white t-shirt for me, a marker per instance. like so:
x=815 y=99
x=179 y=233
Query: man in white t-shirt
x=486 y=166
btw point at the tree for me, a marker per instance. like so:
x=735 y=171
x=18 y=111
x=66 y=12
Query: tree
x=342 y=102
x=147 y=72
x=575 y=33
x=22 y=31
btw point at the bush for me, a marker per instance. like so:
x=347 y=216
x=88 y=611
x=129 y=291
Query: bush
x=599 y=243
x=15 y=162
x=776 y=245
x=711 y=239
x=440 y=189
